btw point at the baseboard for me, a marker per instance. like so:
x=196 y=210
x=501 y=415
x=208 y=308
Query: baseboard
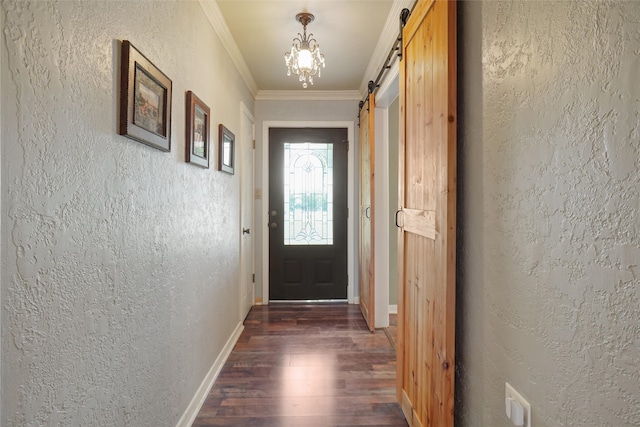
x=356 y=300
x=393 y=309
x=258 y=301
x=201 y=394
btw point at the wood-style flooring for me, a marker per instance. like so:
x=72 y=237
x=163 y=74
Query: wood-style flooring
x=392 y=330
x=305 y=366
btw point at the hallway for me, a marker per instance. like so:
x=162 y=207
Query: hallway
x=304 y=365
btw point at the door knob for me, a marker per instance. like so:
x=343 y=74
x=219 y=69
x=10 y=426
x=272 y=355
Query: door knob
x=273 y=225
x=246 y=231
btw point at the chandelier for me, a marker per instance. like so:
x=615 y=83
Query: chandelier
x=305 y=58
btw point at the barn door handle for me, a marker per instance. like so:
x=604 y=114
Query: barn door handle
x=397 y=212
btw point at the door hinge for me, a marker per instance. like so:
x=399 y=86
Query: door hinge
x=254 y=144
x=253 y=278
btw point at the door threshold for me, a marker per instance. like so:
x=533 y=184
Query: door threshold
x=309 y=301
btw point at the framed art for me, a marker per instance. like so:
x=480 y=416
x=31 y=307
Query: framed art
x=197 y=131
x=145 y=100
x=226 y=146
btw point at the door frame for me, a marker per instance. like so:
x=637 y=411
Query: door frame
x=387 y=92
x=265 y=191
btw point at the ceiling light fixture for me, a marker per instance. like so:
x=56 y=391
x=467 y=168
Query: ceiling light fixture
x=305 y=58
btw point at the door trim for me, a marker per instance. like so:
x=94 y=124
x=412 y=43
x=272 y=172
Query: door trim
x=387 y=93
x=265 y=201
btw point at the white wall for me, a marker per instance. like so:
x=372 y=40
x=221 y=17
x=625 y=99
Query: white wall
x=119 y=262
x=300 y=111
x=549 y=183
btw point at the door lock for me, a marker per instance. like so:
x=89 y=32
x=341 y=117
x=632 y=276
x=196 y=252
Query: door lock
x=246 y=231
x=273 y=225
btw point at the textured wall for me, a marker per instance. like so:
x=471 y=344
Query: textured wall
x=120 y=262
x=550 y=212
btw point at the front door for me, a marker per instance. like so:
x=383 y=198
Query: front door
x=307 y=214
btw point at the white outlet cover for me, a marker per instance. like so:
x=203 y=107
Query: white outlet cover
x=509 y=394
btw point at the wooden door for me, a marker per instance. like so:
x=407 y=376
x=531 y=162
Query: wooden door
x=308 y=214
x=365 y=254
x=427 y=221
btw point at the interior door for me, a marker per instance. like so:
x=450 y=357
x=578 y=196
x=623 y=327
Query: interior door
x=307 y=214
x=427 y=200
x=366 y=283
x=247 y=285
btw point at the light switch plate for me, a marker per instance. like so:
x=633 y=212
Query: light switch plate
x=511 y=393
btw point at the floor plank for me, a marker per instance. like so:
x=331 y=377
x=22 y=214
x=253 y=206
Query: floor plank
x=305 y=366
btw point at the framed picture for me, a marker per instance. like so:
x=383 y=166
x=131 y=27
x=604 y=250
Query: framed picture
x=197 y=131
x=226 y=147
x=145 y=100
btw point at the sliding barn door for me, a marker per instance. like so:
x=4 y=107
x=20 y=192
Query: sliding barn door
x=427 y=199
x=365 y=256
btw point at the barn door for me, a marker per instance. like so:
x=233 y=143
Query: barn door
x=426 y=219
x=365 y=257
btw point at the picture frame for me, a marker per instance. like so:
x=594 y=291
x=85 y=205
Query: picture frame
x=145 y=100
x=197 y=131
x=226 y=149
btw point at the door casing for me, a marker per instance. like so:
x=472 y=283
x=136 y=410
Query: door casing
x=264 y=214
x=387 y=93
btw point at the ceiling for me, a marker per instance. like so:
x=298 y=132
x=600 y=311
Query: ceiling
x=355 y=37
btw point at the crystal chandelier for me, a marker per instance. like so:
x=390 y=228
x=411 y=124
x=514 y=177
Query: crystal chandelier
x=305 y=58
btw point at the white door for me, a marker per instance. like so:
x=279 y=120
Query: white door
x=246 y=150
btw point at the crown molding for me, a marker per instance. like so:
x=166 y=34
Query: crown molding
x=214 y=15
x=308 y=95
x=386 y=40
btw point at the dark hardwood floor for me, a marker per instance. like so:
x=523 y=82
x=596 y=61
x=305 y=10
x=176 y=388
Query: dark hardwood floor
x=305 y=366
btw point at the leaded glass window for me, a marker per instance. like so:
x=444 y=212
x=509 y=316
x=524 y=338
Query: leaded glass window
x=308 y=194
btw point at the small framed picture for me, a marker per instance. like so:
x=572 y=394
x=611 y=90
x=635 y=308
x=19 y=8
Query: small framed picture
x=197 y=131
x=145 y=100
x=226 y=147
